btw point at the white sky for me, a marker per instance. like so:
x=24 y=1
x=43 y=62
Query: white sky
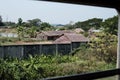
x=54 y=13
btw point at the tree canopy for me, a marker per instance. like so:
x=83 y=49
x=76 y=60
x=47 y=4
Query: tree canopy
x=1 y=23
x=46 y=26
x=35 y=22
x=110 y=25
x=86 y=25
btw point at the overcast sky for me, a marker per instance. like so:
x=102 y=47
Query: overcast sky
x=54 y=13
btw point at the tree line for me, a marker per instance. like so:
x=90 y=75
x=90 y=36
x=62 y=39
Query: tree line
x=109 y=25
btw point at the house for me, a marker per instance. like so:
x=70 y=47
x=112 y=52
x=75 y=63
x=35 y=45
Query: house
x=79 y=30
x=92 y=32
x=74 y=40
x=51 y=35
x=71 y=38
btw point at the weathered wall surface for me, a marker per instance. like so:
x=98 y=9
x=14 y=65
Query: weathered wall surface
x=31 y=49
x=13 y=51
x=48 y=49
x=63 y=48
x=21 y=51
x=1 y=52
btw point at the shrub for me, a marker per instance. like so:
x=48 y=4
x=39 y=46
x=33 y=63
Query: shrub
x=42 y=66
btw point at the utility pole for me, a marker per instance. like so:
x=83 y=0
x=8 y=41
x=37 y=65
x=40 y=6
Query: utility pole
x=118 y=45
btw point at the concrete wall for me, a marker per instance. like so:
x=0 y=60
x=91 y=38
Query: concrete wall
x=31 y=49
x=1 y=52
x=48 y=49
x=63 y=49
x=13 y=51
x=21 y=51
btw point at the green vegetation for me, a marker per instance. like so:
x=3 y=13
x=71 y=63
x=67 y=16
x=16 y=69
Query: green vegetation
x=104 y=47
x=99 y=54
x=39 y=67
x=1 y=23
x=95 y=22
x=7 y=40
x=110 y=25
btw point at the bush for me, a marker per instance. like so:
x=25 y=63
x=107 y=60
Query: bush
x=42 y=66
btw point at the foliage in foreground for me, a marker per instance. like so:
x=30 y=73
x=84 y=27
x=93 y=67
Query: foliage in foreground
x=103 y=47
x=39 y=67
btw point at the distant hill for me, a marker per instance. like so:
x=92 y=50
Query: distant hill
x=57 y=25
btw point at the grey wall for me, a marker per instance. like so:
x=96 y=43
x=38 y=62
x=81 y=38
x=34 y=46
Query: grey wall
x=31 y=49
x=64 y=48
x=21 y=51
x=48 y=49
x=13 y=51
x=1 y=52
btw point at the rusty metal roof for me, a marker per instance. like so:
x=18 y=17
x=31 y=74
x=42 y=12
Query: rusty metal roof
x=68 y=38
x=57 y=33
x=76 y=37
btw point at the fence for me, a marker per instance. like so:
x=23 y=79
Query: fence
x=21 y=51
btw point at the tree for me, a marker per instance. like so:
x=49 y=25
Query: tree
x=86 y=25
x=12 y=24
x=21 y=32
x=35 y=22
x=104 y=47
x=69 y=26
x=26 y=24
x=20 y=21
x=46 y=26
x=62 y=28
x=0 y=19
x=32 y=32
x=1 y=23
x=110 y=25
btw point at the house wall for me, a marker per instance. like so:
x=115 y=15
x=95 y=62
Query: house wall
x=41 y=36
